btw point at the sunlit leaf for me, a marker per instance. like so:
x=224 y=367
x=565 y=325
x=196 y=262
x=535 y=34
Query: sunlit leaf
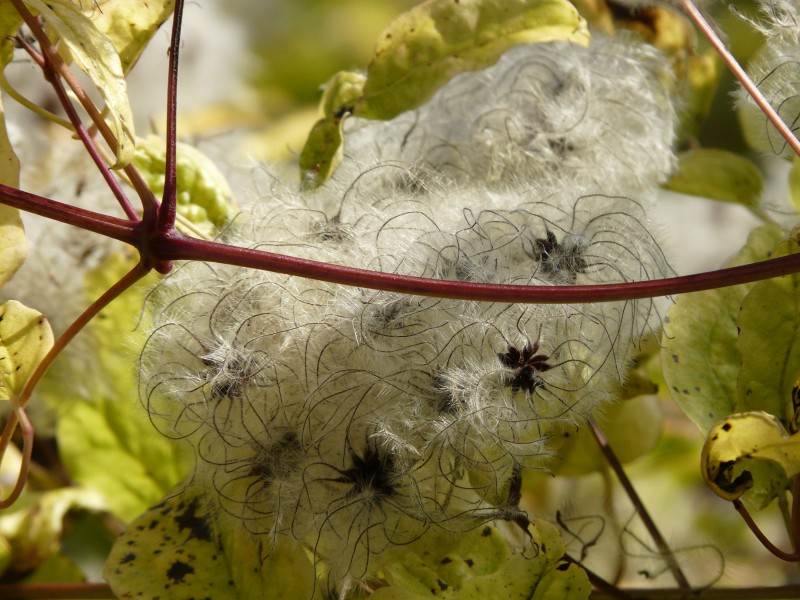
x=25 y=338
x=718 y=174
x=187 y=554
x=322 y=152
x=426 y=46
x=479 y=565
x=565 y=582
x=204 y=197
x=422 y=50
x=13 y=247
x=342 y=93
x=10 y=22
x=700 y=355
x=748 y=436
x=95 y=54
x=769 y=343
x=794 y=183
x=56 y=568
x=129 y=25
x=108 y=447
x=105 y=442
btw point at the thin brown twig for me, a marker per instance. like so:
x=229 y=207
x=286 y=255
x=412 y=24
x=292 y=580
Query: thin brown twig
x=663 y=547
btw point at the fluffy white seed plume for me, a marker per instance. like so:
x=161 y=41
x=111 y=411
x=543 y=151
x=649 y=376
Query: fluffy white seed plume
x=775 y=69
x=357 y=420
x=601 y=115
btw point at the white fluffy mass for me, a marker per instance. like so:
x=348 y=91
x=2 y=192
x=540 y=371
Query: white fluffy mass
x=357 y=420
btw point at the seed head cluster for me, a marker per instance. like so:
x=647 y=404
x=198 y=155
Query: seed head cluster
x=356 y=420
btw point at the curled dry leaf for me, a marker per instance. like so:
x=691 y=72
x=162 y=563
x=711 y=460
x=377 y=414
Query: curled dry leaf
x=736 y=445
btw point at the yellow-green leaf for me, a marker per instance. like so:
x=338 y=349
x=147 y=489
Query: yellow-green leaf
x=101 y=430
x=718 y=174
x=342 y=92
x=187 y=553
x=25 y=338
x=107 y=446
x=13 y=246
x=769 y=343
x=322 y=152
x=10 y=22
x=700 y=356
x=129 y=25
x=564 y=582
x=479 y=565
x=425 y=47
x=204 y=196
x=794 y=183
x=94 y=52
x=35 y=529
x=747 y=436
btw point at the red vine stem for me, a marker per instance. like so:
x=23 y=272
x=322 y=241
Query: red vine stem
x=177 y=247
x=113 y=227
x=174 y=246
x=18 y=416
x=111 y=181
x=149 y=202
x=101 y=591
x=169 y=201
x=733 y=65
x=787 y=556
x=52 y=591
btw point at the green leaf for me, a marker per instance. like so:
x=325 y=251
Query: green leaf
x=25 y=338
x=108 y=446
x=322 y=152
x=425 y=47
x=479 y=565
x=56 y=569
x=13 y=246
x=794 y=183
x=204 y=196
x=422 y=50
x=129 y=26
x=36 y=527
x=700 y=356
x=94 y=52
x=632 y=428
x=749 y=436
x=10 y=22
x=188 y=553
x=565 y=582
x=720 y=175
x=105 y=440
x=769 y=343
x=342 y=93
